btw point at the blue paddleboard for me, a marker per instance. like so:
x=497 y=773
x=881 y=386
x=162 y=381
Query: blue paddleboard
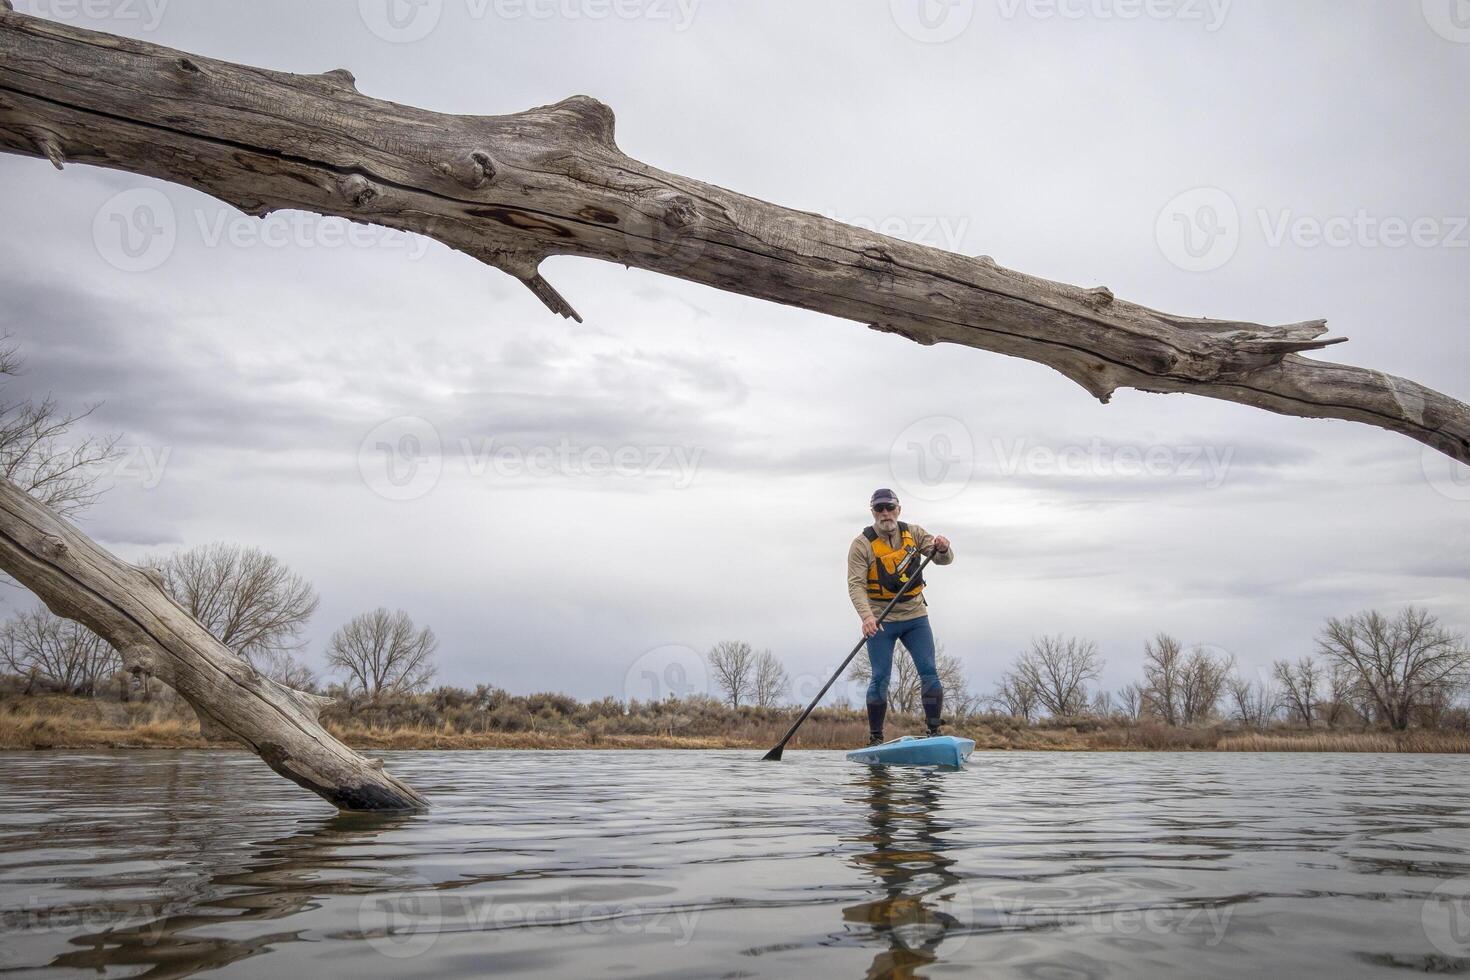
x=941 y=750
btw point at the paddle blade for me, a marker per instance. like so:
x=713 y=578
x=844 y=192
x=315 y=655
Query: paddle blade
x=773 y=756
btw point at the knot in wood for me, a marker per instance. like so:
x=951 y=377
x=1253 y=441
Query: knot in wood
x=483 y=167
x=477 y=170
x=680 y=211
x=53 y=546
x=341 y=76
x=137 y=659
x=358 y=190
x=188 y=67
x=1100 y=296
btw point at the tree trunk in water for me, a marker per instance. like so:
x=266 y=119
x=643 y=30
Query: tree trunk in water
x=129 y=608
x=512 y=190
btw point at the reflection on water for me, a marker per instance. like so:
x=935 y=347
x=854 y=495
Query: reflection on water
x=911 y=911
x=279 y=882
x=672 y=864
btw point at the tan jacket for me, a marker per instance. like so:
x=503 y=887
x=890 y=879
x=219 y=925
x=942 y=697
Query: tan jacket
x=860 y=556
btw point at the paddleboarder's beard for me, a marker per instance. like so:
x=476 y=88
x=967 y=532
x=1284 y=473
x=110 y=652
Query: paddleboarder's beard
x=887 y=523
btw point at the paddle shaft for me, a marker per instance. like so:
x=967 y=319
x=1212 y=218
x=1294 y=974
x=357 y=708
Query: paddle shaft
x=775 y=753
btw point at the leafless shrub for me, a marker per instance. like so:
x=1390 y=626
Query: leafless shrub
x=1015 y=696
x=1131 y=701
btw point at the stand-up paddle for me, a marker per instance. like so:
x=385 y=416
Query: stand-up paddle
x=775 y=754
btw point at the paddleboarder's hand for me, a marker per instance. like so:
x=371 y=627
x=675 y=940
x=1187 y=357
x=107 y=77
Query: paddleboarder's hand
x=941 y=544
x=870 y=625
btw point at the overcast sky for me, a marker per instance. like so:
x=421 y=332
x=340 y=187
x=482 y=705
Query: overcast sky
x=689 y=466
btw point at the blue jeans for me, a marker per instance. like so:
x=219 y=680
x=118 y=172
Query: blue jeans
x=918 y=638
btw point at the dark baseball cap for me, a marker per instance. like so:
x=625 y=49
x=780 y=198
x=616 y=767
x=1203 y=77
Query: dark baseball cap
x=883 y=496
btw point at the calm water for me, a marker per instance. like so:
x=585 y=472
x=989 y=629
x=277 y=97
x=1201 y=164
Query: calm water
x=716 y=864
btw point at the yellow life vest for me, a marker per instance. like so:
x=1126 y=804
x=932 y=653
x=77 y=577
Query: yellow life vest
x=884 y=579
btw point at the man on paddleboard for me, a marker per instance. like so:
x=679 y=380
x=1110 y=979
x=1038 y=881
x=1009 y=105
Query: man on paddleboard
x=874 y=576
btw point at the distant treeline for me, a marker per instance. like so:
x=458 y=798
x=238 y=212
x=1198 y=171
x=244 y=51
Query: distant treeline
x=1368 y=671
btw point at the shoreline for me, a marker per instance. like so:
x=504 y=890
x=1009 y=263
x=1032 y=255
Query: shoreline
x=63 y=723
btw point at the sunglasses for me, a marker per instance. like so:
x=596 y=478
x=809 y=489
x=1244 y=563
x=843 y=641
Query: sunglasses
x=884 y=508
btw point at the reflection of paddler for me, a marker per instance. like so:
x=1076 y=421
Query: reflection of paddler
x=910 y=868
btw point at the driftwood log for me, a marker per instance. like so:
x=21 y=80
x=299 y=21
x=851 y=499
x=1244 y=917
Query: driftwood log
x=128 y=607
x=512 y=190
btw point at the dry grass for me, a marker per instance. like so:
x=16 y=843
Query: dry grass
x=1419 y=741
x=52 y=721
x=82 y=723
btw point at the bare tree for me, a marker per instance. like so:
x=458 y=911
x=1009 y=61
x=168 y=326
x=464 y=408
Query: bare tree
x=35 y=454
x=1015 y=696
x=1400 y=663
x=771 y=680
x=62 y=653
x=734 y=664
x=1058 y=670
x=1102 y=704
x=1253 y=702
x=1163 y=675
x=1298 y=686
x=383 y=653
x=1342 y=695
x=247 y=599
x=1202 y=681
x=1131 y=700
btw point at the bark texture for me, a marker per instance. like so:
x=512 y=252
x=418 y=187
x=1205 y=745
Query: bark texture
x=512 y=190
x=129 y=608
